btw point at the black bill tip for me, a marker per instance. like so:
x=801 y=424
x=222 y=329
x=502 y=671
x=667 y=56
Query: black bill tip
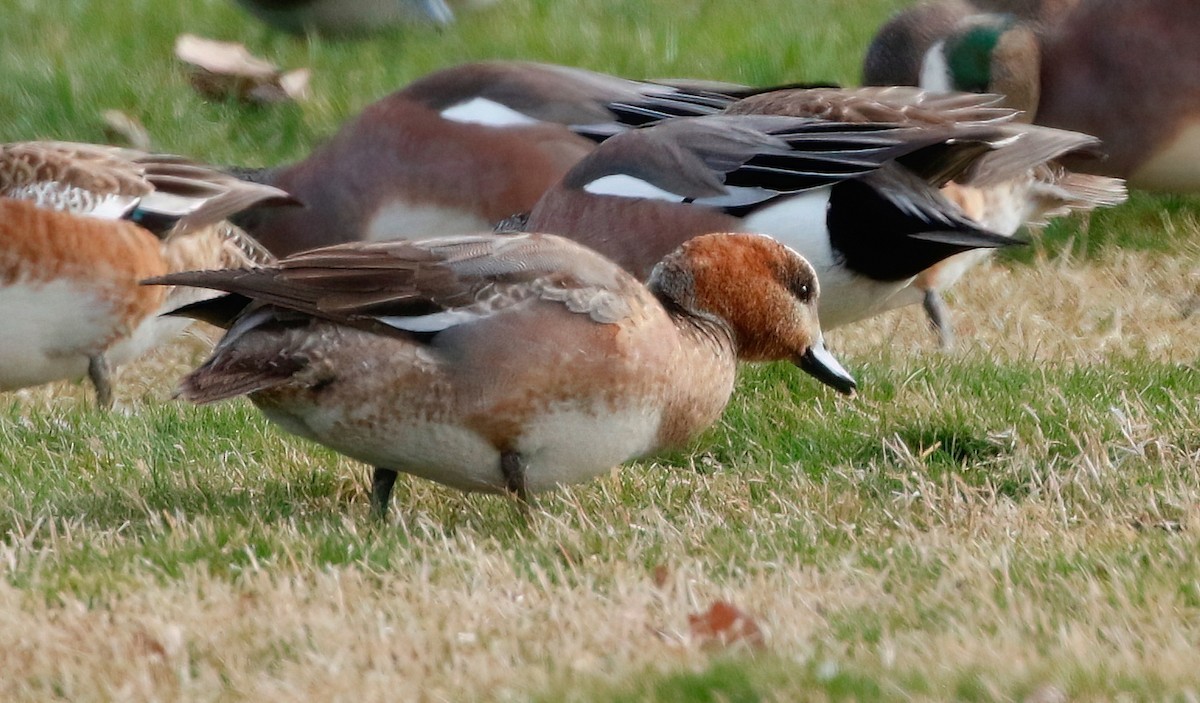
x=820 y=364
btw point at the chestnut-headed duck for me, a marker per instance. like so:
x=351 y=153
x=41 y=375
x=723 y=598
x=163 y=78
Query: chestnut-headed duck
x=80 y=225
x=1126 y=72
x=504 y=363
x=453 y=152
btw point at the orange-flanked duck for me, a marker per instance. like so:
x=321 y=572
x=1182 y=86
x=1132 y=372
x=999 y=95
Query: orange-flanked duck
x=80 y=225
x=504 y=363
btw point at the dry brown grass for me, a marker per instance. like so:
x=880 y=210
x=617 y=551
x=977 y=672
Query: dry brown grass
x=1061 y=310
x=460 y=623
x=941 y=588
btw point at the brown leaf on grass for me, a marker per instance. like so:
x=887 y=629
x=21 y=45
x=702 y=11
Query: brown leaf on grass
x=661 y=575
x=221 y=70
x=123 y=127
x=295 y=83
x=724 y=624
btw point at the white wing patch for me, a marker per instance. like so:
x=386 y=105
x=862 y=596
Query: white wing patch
x=625 y=186
x=435 y=322
x=486 y=112
x=739 y=196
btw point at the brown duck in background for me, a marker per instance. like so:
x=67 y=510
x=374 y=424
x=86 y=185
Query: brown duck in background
x=1125 y=72
x=453 y=152
x=898 y=50
x=347 y=17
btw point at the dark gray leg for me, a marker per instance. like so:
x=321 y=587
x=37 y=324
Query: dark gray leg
x=512 y=468
x=98 y=374
x=939 y=318
x=381 y=490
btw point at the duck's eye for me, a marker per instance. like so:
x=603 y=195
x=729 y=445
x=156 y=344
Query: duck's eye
x=802 y=291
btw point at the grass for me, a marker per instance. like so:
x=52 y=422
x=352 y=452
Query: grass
x=1017 y=520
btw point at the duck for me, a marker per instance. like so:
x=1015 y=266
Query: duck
x=897 y=51
x=503 y=363
x=1029 y=198
x=860 y=200
x=1127 y=73
x=347 y=17
x=80 y=225
x=454 y=152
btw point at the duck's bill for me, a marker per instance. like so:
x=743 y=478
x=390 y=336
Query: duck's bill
x=820 y=364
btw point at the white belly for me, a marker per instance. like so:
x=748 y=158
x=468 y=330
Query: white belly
x=565 y=445
x=847 y=298
x=49 y=330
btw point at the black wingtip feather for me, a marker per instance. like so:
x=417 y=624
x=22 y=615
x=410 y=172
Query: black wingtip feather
x=220 y=311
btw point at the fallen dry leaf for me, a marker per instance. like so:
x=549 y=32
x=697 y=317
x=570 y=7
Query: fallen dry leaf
x=724 y=624
x=295 y=83
x=220 y=70
x=119 y=126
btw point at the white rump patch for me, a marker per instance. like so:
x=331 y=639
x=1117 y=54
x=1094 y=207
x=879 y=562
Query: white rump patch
x=488 y=113
x=624 y=186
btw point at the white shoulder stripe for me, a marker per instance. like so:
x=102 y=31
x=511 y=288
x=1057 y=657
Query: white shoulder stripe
x=486 y=112
x=625 y=186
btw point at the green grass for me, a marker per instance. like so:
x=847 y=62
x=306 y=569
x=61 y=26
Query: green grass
x=1017 y=519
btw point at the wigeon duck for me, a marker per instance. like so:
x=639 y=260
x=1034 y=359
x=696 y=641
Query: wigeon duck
x=454 y=152
x=858 y=200
x=80 y=225
x=1000 y=205
x=344 y=17
x=1126 y=72
x=504 y=363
